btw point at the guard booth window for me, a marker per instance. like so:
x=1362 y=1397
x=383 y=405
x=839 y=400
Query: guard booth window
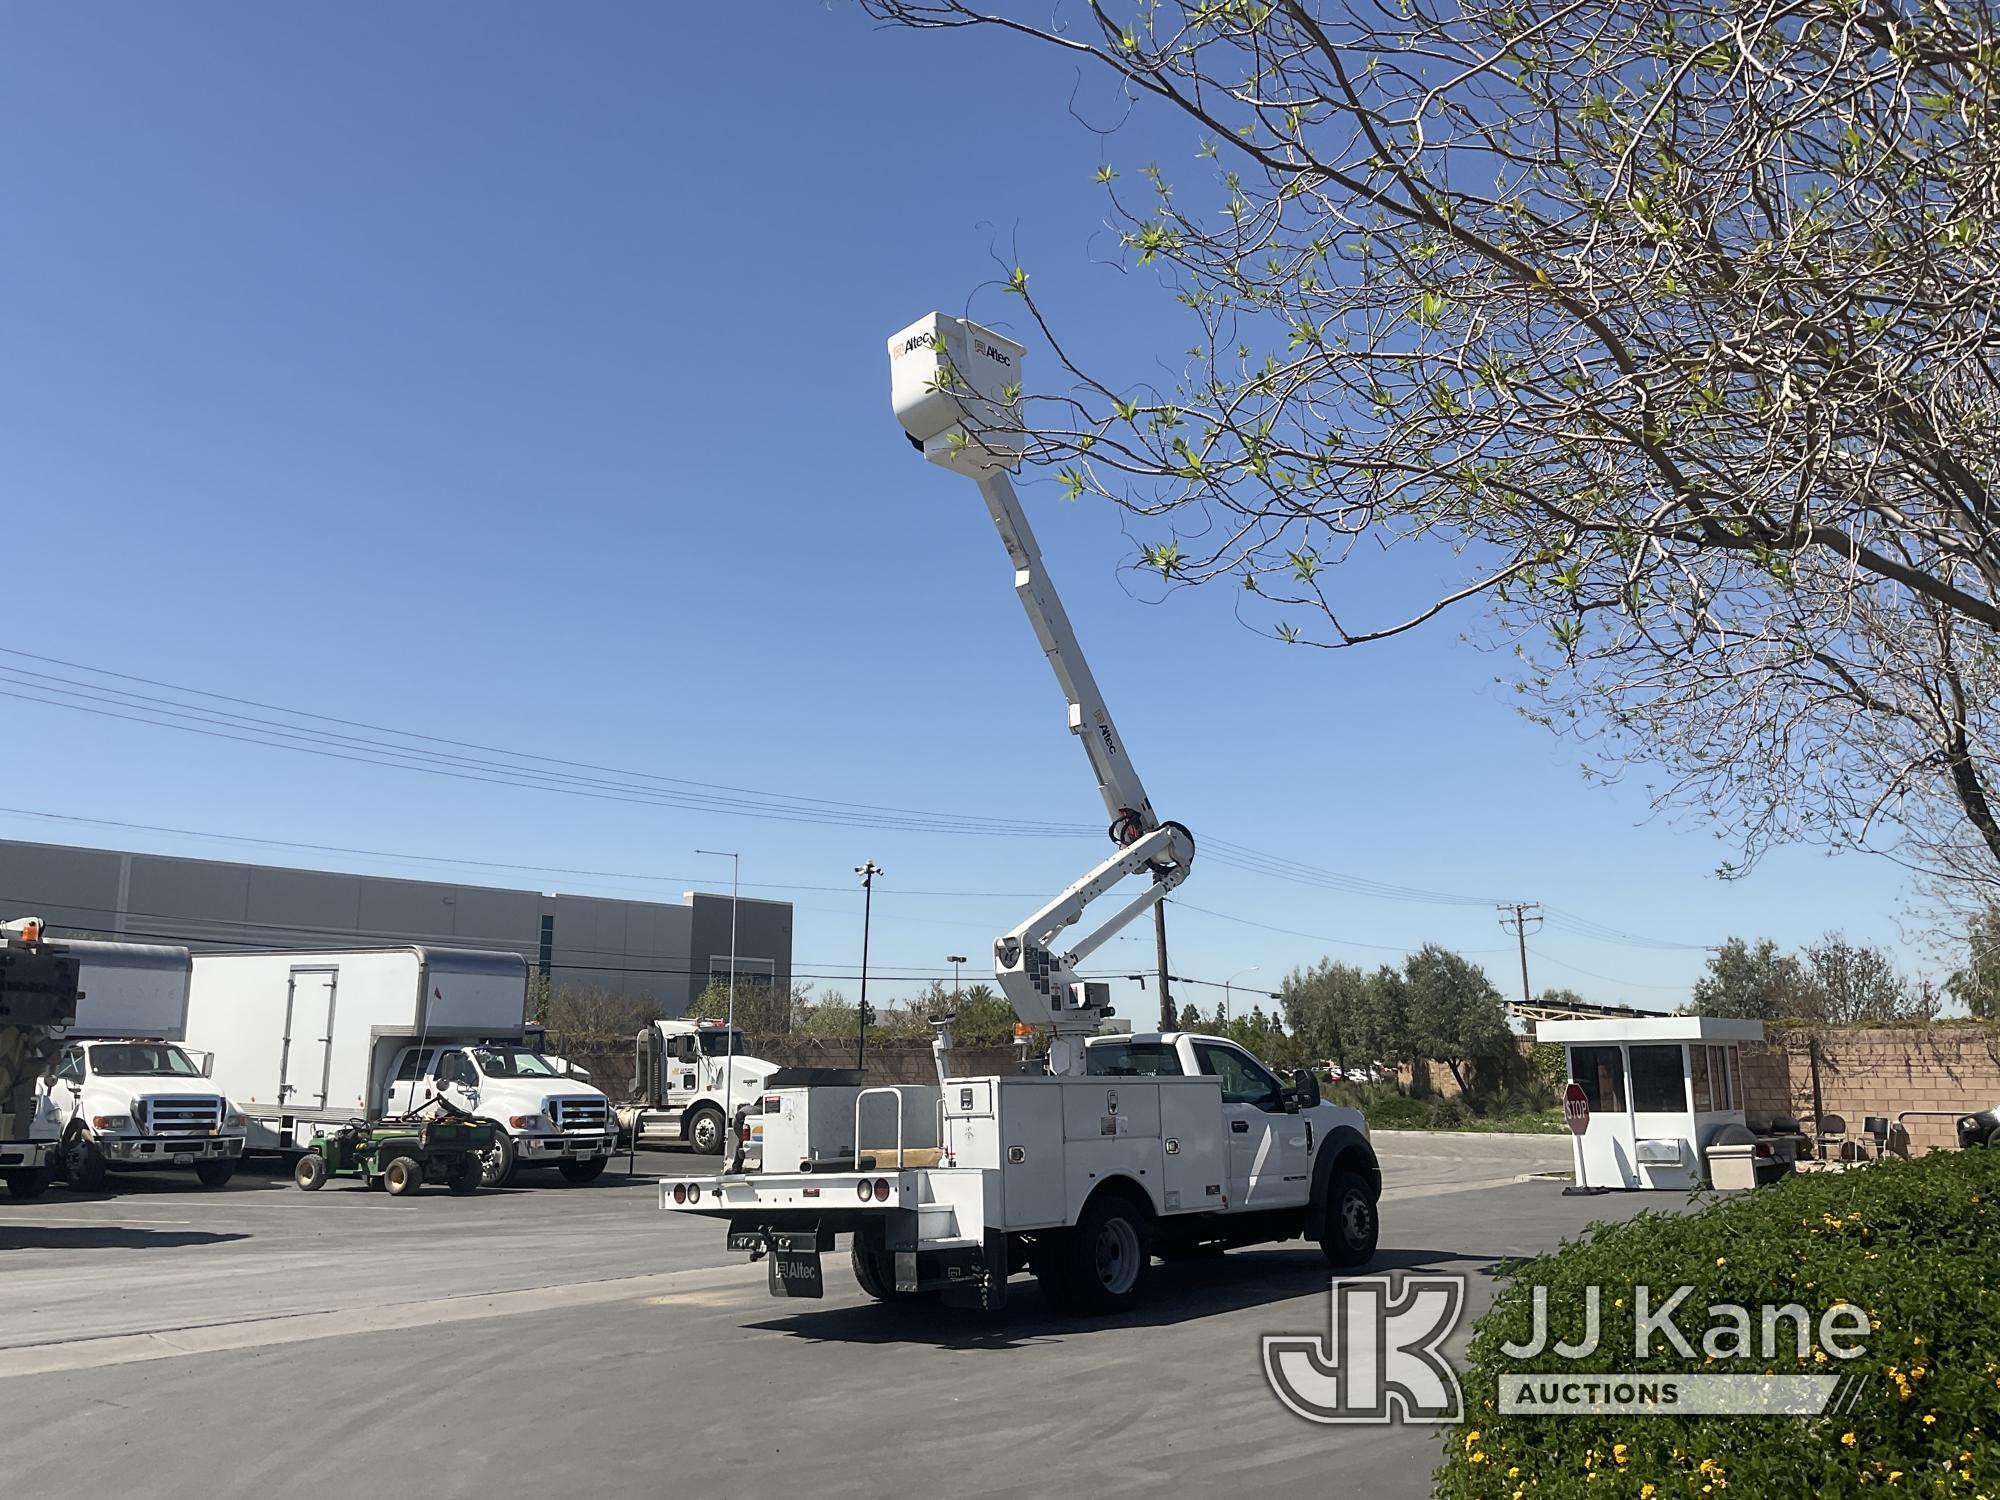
x=1659 y=1083
x=1601 y=1071
x=1698 y=1073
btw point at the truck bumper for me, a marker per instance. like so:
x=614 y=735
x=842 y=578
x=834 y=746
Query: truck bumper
x=534 y=1148
x=169 y=1150
x=26 y=1156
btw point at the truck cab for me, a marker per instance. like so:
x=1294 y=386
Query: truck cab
x=689 y=1076
x=120 y=1104
x=547 y=1114
x=1272 y=1131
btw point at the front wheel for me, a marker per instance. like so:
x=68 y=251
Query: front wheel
x=705 y=1130
x=1352 y=1221
x=215 y=1174
x=28 y=1182
x=583 y=1168
x=83 y=1163
x=310 y=1173
x=496 y=1166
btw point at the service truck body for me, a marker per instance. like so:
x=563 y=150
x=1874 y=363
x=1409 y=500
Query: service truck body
x=1189 y=1141
x=307 y=1040
x=124 y=1095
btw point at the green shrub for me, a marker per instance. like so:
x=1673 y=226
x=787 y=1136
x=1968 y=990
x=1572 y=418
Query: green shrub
x=1395 y=1112
x=1449 y=1114
x=1914 y=1244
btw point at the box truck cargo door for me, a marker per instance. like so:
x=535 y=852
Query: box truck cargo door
x=306 y=1062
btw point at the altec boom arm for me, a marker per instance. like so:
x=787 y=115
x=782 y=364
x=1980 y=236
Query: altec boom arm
x=954 y=386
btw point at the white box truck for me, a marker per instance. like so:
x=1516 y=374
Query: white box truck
x=308 y=1040
x=123 y=1095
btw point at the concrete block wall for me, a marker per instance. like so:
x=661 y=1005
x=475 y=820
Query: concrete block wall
x=1941 y=1071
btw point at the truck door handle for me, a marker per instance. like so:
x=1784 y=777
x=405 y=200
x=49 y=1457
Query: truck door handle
x=1241 y=1127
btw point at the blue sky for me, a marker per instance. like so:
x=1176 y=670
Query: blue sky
x=515 y=374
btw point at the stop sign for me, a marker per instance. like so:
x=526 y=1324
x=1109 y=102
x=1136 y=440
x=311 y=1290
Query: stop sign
x=1576 y=1109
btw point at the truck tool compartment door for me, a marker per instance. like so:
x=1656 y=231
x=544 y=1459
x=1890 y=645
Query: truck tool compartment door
x=1270 y=1165
x=304 y=1062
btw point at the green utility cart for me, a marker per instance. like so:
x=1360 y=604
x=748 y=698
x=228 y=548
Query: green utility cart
x=398 y=1155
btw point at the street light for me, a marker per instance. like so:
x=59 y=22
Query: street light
x=954 y=959
x=729 y=1047
x=867 y=872
x=1225 y=990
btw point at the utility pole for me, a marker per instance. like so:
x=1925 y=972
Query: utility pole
x=729 y=1047
x=1227 y=1014
x=1167 y=1016
x=1515 y=917
x=867 y=872
x=954 y=959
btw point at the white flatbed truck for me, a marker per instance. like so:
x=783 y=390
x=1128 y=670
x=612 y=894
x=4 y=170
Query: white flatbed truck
x=1127 y=1146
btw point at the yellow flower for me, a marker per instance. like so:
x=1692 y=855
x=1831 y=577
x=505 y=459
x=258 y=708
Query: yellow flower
x=1930 y=1419
x=1847 y=1438
x=1894 y=1475
x=1472 y=1437
x=1514 y=1472
x=1646 y=1492
x=1722 y=1260
x=1618 y=1452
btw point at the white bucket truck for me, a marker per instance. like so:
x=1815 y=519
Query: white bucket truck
x=307 y=1041
x=689 y=1077
x=38 y=990
x=1128 y=1146
x=123 y=1094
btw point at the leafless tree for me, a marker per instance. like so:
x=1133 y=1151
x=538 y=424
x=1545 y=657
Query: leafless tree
x=1662 y=332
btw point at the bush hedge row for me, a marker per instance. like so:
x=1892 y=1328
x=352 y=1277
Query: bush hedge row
x=1916 y=1244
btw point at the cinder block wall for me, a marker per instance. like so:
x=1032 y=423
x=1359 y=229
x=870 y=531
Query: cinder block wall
x=1947 y=1069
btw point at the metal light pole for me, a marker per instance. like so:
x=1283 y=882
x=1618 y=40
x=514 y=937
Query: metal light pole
x=729 y=1048
x=867 y=872
x=1225 y=990
x=954 y=959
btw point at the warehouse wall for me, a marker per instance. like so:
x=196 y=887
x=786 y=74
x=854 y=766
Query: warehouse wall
x=639 y=948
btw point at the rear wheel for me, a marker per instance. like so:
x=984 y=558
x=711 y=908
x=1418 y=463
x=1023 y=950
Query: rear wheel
x=403 y=1176
x=1100 y=1265
x=28 y=1182
x=1352 y=1222
x=496 y=1166
x=310 y=1173
x=583 y=1168
x=465 y=1174
x=215 y=1173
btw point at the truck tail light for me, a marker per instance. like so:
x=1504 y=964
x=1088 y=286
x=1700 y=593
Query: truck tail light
x=882 y=1190
x=680 y=1192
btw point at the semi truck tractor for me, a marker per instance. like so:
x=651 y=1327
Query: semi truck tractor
x=304 y=1041
x=38 y=990
x=124 y=1095
x=1125 y=1147
x=689 y=1079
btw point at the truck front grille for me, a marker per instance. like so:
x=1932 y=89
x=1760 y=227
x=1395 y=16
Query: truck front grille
x=581 y=1114
x=183 y=1114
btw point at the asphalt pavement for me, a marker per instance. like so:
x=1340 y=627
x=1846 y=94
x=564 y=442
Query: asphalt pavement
x=564 y=1339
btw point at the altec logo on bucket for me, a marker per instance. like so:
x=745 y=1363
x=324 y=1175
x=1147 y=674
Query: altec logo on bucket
x=1382 y=1358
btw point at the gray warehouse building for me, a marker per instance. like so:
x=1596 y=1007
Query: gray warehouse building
x=665 y=950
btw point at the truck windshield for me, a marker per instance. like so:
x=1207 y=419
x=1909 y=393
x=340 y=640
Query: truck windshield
x=717 y=1043
x=142 y=1059
x=513 y=1062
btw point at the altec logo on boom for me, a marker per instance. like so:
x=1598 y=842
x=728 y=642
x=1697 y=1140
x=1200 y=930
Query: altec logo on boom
x=1382 y=1360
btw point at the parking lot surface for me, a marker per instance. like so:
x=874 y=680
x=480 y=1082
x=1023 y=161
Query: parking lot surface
x=169 y=1341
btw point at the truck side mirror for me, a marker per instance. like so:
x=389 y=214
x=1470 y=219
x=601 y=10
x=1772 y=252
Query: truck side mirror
x=206 y=1062
x=1305 y=1087
x=447 y=1067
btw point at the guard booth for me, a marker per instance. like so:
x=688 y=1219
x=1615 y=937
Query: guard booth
x=1660 y=1088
